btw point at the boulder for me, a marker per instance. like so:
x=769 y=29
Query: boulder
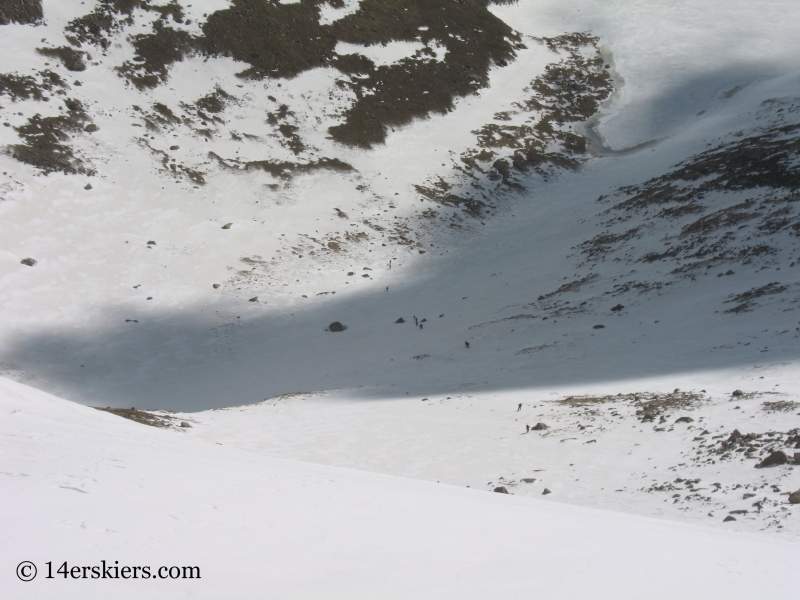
x=501 y=489
x=336 y=326
x=28 y=262
x=539 y=427
x=546 y=491
x=400 y=320
x=794 y=497
x=773 y=460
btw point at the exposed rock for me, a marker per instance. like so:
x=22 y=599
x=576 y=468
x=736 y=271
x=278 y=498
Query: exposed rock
x=88 y=186
x=728 y=518
x=773 y=460
x=685 y=420
x=617 y=308
x=794 y=497
x=227 y=225
x=336 y=326
x=151 y=243
x=253 y=299
x=28 y=261
x=91 y=128
x=527 y=480
x=501 y=490
x=737 y=393
x=599 y=327
x=539 y=427
x=546 y=491
x=185 y=424
x=216 y=286
x=400 y=320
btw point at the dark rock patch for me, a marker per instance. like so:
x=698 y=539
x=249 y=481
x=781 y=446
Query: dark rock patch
x=24 y=12
x=773 y=460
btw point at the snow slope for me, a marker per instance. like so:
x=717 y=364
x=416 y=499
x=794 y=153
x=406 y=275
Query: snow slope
x=635 y=291
x=96 y=488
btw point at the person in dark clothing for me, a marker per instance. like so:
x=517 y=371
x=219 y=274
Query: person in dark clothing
x=466 y=344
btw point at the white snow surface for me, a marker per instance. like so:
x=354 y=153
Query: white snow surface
x=82 y=486
x=336 y=465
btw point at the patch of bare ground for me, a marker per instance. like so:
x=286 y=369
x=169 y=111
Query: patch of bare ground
x=155 y=53
x=162 y=419
x=24 y=12
x=572 y=286
x=535 y=349
x=746 y=300
x=652 y=406
x=535 y=135
x=111 y=16
x=393 y=95
x=26 y=87
x=45 y=141
x=747 y=446
x=780 y=406
x=176 y=169
x=71 y=59
x=284 y=169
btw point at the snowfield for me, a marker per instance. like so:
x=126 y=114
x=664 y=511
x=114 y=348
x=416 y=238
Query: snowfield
x=563 y=243
x=82 y=486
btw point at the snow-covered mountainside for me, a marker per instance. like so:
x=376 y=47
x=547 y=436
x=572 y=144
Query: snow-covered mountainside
x=546 y=248
x=82 y=486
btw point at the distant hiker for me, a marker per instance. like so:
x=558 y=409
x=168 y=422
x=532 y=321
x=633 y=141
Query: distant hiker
x=519 y=408
x=420 y=325
x=466 y=344
x=527 y=428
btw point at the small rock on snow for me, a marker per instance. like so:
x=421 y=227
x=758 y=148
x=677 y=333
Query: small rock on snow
x=29 y=262
x=336 y=326
x=501 y=490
